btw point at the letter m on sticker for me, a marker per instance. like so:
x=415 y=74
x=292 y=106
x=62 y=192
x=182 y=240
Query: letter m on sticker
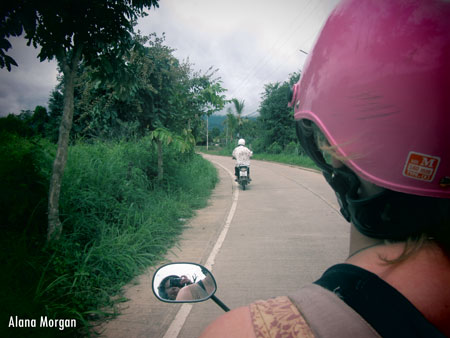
x=421 y=167
x=428 y=162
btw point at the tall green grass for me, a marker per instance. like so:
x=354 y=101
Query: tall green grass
x=118 y=219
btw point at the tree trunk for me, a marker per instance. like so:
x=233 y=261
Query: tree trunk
x=69 y=70
x=160 y=161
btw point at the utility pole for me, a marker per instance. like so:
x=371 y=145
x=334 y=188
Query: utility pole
x=207 y=130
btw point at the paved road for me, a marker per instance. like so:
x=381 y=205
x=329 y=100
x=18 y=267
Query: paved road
x=285 y=231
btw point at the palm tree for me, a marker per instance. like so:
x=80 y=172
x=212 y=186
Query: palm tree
x=239 y=108
x=230 y=123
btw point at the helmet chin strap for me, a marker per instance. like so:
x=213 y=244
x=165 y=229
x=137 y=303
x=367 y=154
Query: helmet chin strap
x=385 y=215
x=344 y=182
x=393 y=215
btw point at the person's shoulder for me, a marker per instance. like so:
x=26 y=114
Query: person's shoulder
x=185 y=293
x=235 y=323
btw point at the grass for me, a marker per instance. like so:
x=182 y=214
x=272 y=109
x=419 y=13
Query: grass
x=298 y=160
x=118 y=219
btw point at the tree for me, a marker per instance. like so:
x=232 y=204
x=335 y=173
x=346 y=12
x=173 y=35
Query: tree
x=95 y=31
x=168 y=94
x=215 y=134
x=207 y=97
x=230 y=125
x=249 y=130
x=163 y=137
x=239 y=108
x=276 y=118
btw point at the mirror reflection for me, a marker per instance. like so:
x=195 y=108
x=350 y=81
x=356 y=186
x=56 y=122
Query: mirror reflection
x=183 y=282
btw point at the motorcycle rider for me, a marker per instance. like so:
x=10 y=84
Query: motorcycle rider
x=242 y=156
x=198 y=290
x=171 y=285
x=373 y=110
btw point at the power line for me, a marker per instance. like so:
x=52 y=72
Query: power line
x=290 y=55
x=263 y=60
x=314 y=9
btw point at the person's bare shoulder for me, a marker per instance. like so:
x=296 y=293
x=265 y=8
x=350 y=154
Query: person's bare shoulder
x=185 y=293
x=236 y=323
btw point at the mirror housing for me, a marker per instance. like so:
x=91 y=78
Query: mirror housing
x=183 y=283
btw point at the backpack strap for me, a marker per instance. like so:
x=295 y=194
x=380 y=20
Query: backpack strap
x=278 y=317
x=329 y=316
x=390 y=313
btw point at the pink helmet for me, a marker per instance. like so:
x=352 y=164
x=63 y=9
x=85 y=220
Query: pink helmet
x=377 y=84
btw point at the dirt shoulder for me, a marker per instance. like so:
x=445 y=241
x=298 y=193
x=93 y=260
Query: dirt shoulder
x=143 y=315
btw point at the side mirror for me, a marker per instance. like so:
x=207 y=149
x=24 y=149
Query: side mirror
x=183 y=283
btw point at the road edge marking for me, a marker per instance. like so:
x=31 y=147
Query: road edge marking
x=215 y=250
x=177 y=324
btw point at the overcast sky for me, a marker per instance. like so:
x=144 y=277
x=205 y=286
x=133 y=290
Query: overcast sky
x=251 y=42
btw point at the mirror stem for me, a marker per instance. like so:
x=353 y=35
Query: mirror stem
x=219 y=302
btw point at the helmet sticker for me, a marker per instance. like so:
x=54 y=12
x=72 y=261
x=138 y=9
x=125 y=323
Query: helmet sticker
x=421 y=167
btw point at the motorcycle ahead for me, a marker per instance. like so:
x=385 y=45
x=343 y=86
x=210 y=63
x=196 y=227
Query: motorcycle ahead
x=243 y=178
x=185 y=283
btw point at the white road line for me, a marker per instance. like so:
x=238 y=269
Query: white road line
x=177 y=324
x=212 y=256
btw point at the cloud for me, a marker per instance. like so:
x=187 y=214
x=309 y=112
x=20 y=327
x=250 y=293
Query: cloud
x=27 y=85
x=251 y=42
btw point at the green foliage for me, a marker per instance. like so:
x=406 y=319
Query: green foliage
x=258 y=145
x=96 y=32
x=117 y=222
x=215 y=133
x=165 y=93
x=238 y=106
x=274 y=148
x=180 y=143
x=61 y=27
x=299 y=160
x=55 y=107
x=24 y=164
x=292 y=148
x=230 y=126
x=276 y=118
x=17 y=125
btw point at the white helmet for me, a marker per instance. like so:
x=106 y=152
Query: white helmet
x=241 y=142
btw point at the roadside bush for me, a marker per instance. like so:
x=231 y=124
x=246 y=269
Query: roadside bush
x=117 y=221
x=258 y=145
x=300 y=160
x=291 y=148
x=12 y=124
x=24 y=165
x=23 y=198
x=274 y=148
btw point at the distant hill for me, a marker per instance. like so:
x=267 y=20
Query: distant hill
x=217 y=121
